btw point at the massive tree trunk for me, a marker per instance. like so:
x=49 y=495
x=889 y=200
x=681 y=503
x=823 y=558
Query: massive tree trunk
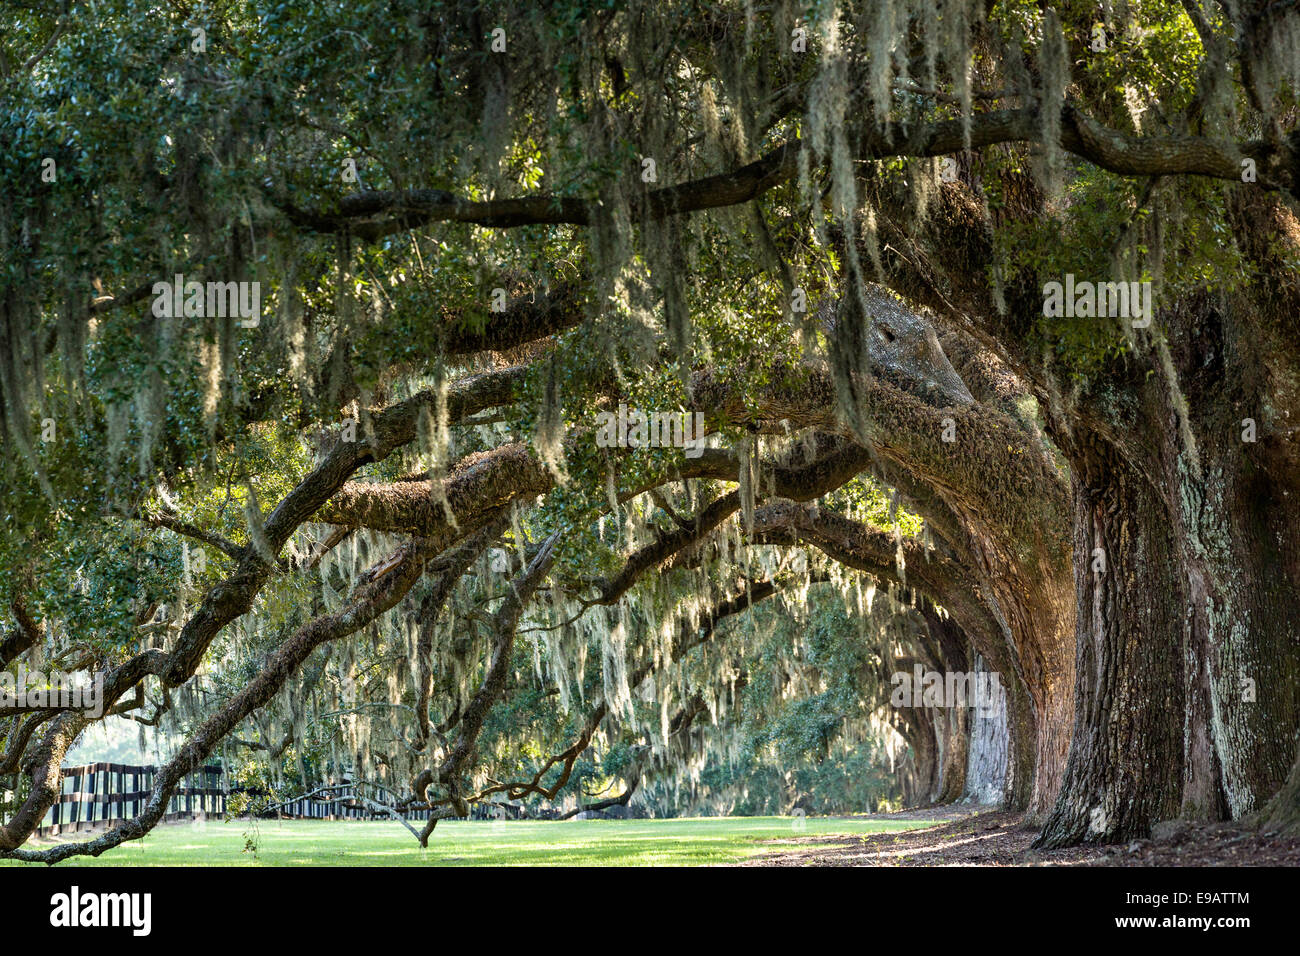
x=954 y=740
x=952 y=725
x=1235 y=527
x=1031 y=589
x=1185 y=679
x=1125 y=763
x=1195 y=613
x=987 y=764
x=918 y=729
x=1237 y=508
x=1186 y=668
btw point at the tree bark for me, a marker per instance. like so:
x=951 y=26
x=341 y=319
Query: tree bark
x=987 y=764
x=1126 y=757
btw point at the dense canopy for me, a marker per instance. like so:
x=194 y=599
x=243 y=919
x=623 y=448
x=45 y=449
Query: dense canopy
x=428 y=394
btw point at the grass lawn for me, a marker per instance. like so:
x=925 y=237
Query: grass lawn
x=685 y=842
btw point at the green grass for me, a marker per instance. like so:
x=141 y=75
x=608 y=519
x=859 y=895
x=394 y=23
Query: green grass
x=683 y=842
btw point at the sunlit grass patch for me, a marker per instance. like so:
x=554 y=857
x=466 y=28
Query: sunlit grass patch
x=682 y=842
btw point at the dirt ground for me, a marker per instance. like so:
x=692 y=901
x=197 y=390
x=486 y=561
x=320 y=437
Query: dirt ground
x=984 y=837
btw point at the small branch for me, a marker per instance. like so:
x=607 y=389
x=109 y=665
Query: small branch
x=49 y=45
x=185 y=529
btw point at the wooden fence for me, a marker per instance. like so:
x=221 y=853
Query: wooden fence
x=100 y=794
x=343 y=803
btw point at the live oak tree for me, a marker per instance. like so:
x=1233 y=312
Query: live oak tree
x=344 y=528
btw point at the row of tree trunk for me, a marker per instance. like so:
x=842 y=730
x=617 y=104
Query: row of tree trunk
x=1154 y=661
